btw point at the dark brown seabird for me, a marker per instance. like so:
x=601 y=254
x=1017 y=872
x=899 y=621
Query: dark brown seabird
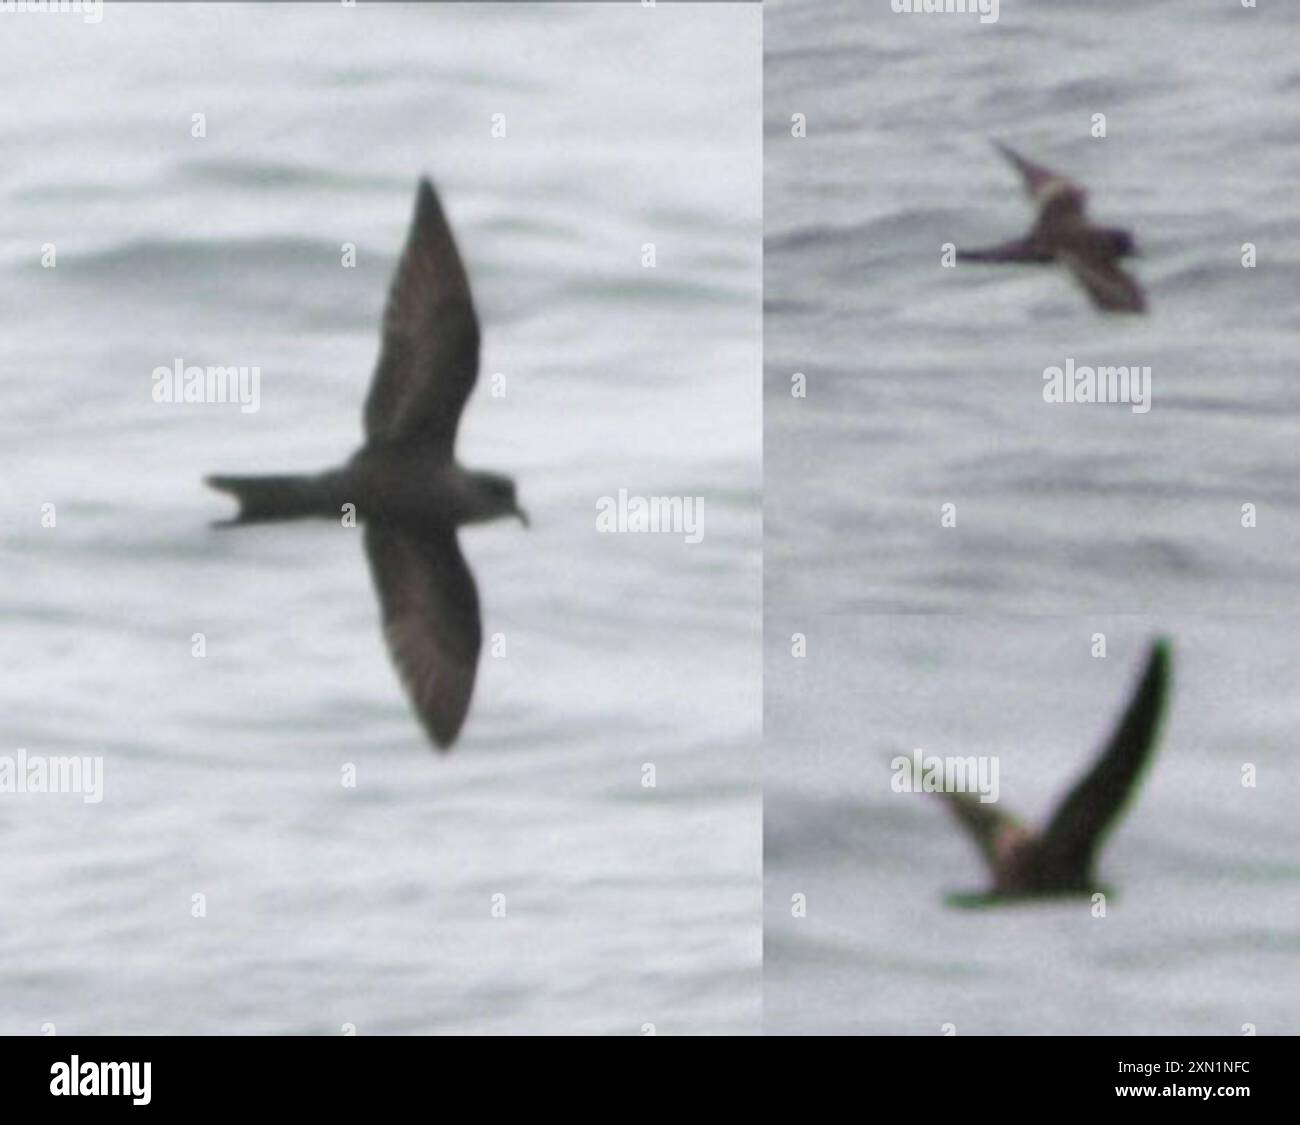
x=404 y=481
x=1060 y=859
x=1063 y=234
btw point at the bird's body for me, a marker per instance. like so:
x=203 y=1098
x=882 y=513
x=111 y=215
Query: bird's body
x=1061 y=858
x=400 y=486
x=404 y=484
x=1063 y=234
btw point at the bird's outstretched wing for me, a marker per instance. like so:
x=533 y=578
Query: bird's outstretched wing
x=984 y=821
x=431 y=622
x=429 y=358
x=1040 y=182
x=1080 y=822
x=1111 y=288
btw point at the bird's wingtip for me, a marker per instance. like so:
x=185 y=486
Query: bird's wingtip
x=443 y=730
x=1162 y=657
x=1010 y=153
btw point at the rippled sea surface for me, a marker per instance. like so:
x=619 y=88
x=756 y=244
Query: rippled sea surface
x=925 y=384
x=372 y=906
x=183 y=184
x=1201 y=934
x=924 y=388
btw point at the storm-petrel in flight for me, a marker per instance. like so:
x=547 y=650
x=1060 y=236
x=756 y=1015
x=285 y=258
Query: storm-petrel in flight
x=404 y=481
x=1063 y=234
x=1060 y=859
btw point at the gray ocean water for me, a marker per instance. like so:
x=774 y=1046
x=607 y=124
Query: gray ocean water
x=1202 y=928
x=326 y=906
x=924 y=387
x=925 y=384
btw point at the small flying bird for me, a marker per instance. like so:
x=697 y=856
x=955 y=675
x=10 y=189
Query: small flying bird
x=1060 y=859
x=405 y=482
x=1063 y=234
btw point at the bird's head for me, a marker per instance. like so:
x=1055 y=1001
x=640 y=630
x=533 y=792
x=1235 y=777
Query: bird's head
x=498 y=497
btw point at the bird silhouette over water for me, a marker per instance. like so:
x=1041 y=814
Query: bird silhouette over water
x=405 y=483
x=1063 y=234
x=1060 y=860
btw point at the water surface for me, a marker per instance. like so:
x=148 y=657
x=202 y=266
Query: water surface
x=372 y=906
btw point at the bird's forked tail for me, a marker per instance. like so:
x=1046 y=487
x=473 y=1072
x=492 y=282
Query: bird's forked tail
x=262 y=499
